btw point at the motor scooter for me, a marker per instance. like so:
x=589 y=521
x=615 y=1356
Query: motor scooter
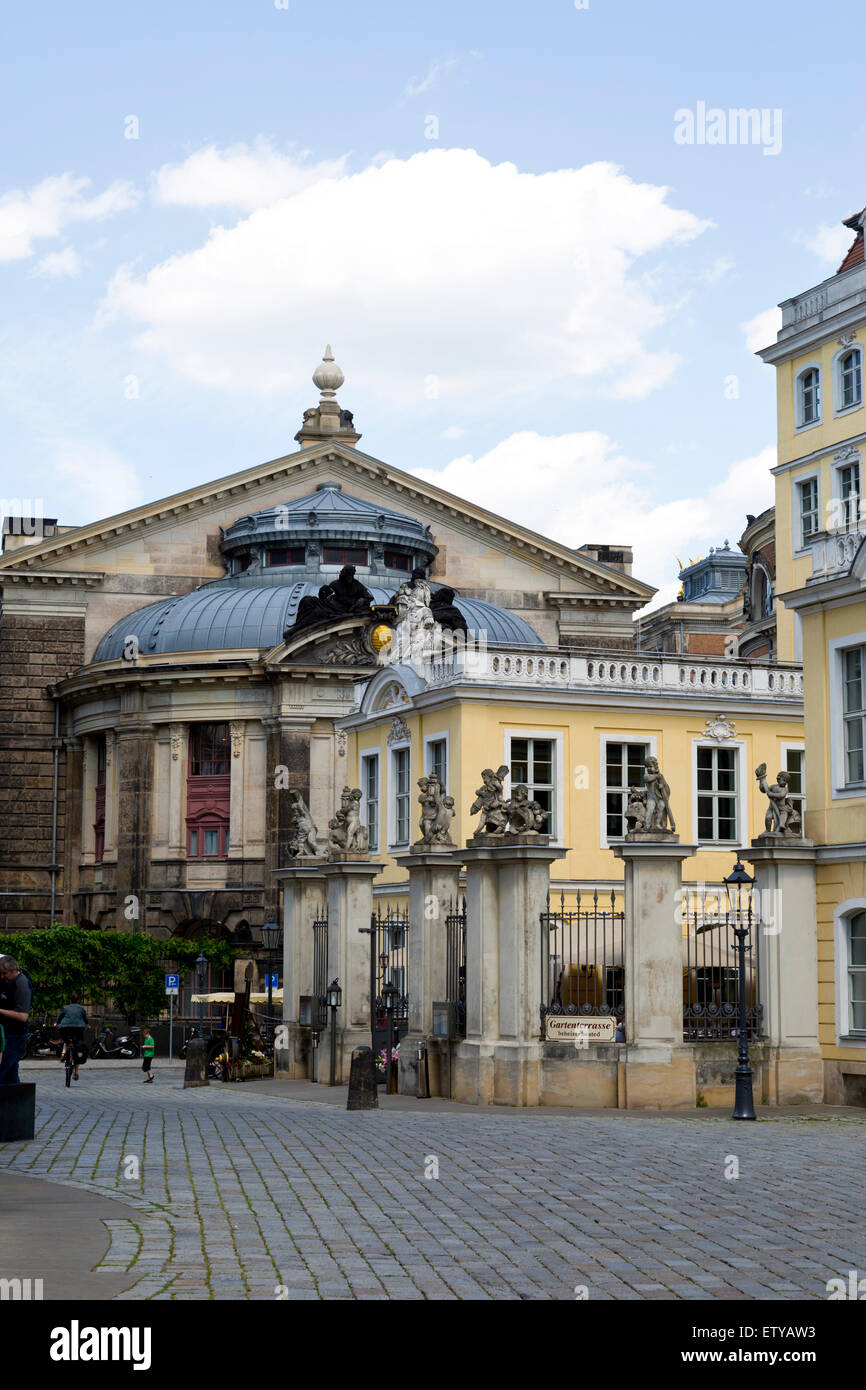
x=108 y=1044
x=44 y=1041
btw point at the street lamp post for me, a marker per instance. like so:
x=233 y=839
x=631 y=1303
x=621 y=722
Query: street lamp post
x=389 y=994
x=271 y=937
x=736 y=884
x=335 y=998
x=201 y=965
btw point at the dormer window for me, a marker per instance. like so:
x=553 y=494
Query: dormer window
x=292 y=555
x=344 y=555
x=398 y=560
x=809 y=391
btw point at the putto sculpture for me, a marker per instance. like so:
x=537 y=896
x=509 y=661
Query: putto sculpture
x=525 y=817
x=346 y=834
x=648 y=811
x=490 y=802
x=635 y=811
x=437 y=812
x=302 y=833
x=783 y=816
x=344 y=597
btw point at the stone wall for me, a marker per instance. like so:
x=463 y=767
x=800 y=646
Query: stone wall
x=34 y=652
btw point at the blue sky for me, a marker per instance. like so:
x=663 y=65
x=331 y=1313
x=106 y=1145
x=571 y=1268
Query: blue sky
x=569 y=350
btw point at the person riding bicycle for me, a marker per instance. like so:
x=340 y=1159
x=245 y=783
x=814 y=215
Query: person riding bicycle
x=72 y=1021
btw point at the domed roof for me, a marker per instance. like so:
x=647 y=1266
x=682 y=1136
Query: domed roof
x=248 y=612
x=328 y=514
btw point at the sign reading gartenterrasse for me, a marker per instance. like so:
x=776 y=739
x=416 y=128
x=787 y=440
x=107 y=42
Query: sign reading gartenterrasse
x=570 y=1027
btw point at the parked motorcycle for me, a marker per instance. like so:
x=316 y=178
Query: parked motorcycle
x=44 y=1041
x=110 y=1045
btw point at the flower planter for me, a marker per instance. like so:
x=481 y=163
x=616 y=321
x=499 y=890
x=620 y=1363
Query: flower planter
x=251 y=1071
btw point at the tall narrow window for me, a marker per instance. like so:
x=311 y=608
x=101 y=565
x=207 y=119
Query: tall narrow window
x=854 y=713
x=99 y=808
x=370 y=788
x=795 y=766
x=208 y=791
x=623 y=768
x=402 y=795
x=849 y=495
x=850 y=379
x=532 y=763
x=810 y=396
x=809 y=518
x=857 y=973
x=437 y=760
x=717 y=795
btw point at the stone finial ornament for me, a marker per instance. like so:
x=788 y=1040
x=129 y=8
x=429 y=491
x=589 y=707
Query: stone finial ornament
x=346 y=834
x=437 y=812
x=783 y=816
x=490 y=802
x=302 y=839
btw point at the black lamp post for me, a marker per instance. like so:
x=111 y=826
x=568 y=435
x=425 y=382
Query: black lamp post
x=335 y=999
x=201 y=965
x=271 y=938
x=737 y=884
x=389 y=994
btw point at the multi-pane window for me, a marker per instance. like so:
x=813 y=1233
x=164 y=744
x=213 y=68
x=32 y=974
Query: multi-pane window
x=810 y=396
x=854 y=712
x=402 y=795
x=717 y=795
x=623 y=768
x=208 y=840
x=437 y=760
x=809 y=518
x=795 y=766
x=850 y=378
x=857 y=973
x=397 y=560
x=209 y=750
x=344 y=555
x=370 y=788
x=532 y=763
x=291 y=555
x=849 y=494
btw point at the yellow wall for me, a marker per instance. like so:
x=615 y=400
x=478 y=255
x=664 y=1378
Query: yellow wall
x=837 y=883
x=478 y=740
x=828 y=821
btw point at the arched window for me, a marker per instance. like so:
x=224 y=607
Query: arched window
x=850 y=379
x=809 y=392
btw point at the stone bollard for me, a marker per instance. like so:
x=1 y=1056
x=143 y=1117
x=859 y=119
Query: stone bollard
x=17 y=1112
x=362 y=1081
x=195 y=1072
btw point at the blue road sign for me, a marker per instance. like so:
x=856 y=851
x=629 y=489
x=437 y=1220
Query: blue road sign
x=172 y=981
x=273 y=981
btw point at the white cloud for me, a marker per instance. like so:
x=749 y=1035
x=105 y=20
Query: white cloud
x=241 y=176
x=415 y=87
x=58 y=264
x=104 y=482
x=829 y=243
x=578 y=488
x=761 y=330
x=519 y=282
x=452 y=432
x=48 y=207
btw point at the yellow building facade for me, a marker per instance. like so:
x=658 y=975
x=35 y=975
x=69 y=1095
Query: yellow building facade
x=821 y=585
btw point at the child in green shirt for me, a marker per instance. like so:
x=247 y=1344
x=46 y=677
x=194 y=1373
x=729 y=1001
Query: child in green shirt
x=148 y=1047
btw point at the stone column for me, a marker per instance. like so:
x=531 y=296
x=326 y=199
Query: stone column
x=507 y=881
x=434 y=876
x=132 y=780
x=304 y=895
x=659 y=1066
x=88 y=801
x=350 y=908
x=786 y=936
x=237 y=731
x=112 y=826
x=177 y=773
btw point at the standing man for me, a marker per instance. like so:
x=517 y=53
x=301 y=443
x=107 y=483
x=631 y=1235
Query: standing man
x=16 y=996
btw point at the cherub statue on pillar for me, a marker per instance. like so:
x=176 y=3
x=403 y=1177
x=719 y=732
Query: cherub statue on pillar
x=437 y=812
x=346 y=833
x=783 y=817
x=302 y=839
x=525 y=817
x=490 y=802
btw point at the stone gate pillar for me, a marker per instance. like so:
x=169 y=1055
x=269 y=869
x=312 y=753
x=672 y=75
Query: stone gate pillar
x=434 y=876
x=786 y=933
x=507 y=881
x=304 y=901
x=349 y=886
x=659 y=1066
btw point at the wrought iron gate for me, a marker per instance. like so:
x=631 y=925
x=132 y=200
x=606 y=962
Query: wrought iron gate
x=455 y=965
x=320 y=971
x=582 y=959
x=711 y=977
x=389 y=944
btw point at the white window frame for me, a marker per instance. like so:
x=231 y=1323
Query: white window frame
x=841 y=917
x=838 y=407
x=612 y=736
x=394 y=748
x=557 y=737
x=799 y=423
x=838 y=470
x=839 y=791
x=370 y=755
x=784 y=749
x=801 y=546
x=742 y=793
x=428 y=758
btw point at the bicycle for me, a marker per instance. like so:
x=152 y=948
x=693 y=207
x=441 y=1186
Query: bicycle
x=69 y=1064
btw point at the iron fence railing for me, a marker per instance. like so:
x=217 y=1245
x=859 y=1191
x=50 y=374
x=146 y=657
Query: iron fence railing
x=711 y=978
x=582 y=958
x=455 y=964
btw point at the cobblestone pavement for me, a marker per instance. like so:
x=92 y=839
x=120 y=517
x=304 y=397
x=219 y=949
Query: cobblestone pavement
x=241 y=1195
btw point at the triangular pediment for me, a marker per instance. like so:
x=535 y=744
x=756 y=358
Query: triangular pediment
x=226 y=499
